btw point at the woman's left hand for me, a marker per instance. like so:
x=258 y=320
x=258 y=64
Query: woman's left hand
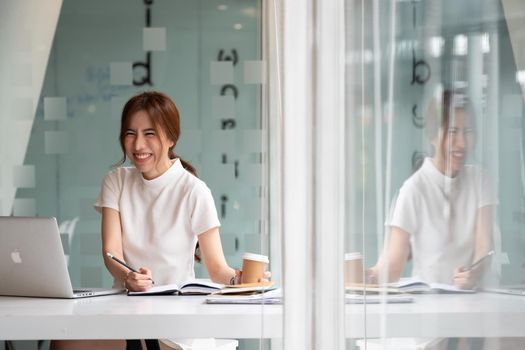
x=267 y=276
x=238 y=277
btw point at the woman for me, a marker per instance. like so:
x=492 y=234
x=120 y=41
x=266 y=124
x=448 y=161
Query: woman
x=442 y=218
x=153 y=214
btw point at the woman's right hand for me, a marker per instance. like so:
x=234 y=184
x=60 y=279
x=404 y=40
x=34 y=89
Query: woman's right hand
x=139 y=282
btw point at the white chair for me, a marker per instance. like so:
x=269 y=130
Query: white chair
x=68 y=227
x=202 y=344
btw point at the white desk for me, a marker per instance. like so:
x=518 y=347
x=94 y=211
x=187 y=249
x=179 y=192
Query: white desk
x=140 y=317
x=119 y=316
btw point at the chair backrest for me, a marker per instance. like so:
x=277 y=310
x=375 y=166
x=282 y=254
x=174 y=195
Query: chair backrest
x=67 y=231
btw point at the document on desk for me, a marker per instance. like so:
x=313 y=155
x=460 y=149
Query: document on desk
x=192 y=287
x=357 y=298
x=270 y=297
x=247 y=288
x=417 y=285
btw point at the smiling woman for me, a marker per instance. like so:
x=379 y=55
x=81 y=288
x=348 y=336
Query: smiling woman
x=153 y=214
x=149 y=131
x=147 y=148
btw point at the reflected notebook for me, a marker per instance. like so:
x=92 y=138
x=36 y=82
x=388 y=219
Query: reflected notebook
x=510 y=289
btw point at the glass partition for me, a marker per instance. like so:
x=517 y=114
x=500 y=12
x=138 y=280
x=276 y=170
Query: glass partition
x=60 y=126
x=435 y=163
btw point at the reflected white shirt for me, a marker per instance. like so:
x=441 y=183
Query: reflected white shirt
x=439 y=213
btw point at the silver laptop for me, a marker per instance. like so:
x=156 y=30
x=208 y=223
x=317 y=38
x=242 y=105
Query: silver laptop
x=32 y=260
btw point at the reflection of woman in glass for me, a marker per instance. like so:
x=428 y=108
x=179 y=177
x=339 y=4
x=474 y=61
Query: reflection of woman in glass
x=442 y=217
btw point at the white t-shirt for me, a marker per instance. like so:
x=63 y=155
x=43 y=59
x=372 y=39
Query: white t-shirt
x=439 y=213
x=161 y=218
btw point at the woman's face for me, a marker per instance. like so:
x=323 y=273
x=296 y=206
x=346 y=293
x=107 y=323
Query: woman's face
x=452 y=145
x=145 y=147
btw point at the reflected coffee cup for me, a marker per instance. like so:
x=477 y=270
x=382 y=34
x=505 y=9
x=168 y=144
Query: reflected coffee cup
x=353 y=268
x=253 y=267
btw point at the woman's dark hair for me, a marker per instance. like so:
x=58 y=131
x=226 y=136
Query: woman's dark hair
x=163 y=114
x=439 y=116
x=440 y=111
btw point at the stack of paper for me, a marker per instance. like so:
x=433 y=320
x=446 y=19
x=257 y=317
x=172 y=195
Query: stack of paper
x=273 y=296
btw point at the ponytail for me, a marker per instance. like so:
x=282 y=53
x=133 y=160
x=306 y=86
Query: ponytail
x=186 y=165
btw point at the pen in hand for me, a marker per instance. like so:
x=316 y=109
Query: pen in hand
x=111 y=256
x=480 y=260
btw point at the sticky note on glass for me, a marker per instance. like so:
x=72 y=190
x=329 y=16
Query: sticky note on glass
x=120 y=73
x=154 y=39
x=254 y=72
x=221 y=72
x=55 y=108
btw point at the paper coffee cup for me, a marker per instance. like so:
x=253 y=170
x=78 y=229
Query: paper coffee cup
x=253 y=267
x=353 y=268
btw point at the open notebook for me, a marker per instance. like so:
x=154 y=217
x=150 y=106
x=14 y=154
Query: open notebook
x=417 y=285
x=406 y=285
x=192 y=287
x=509 y=289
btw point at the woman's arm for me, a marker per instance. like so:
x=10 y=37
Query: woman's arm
x=483 y=232
x=213 y=256
x=112 y=243
x=392 y=260
x=468 y=278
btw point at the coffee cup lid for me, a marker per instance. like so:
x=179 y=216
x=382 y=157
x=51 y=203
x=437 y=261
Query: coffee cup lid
x=353 y=256
x=256 y=257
